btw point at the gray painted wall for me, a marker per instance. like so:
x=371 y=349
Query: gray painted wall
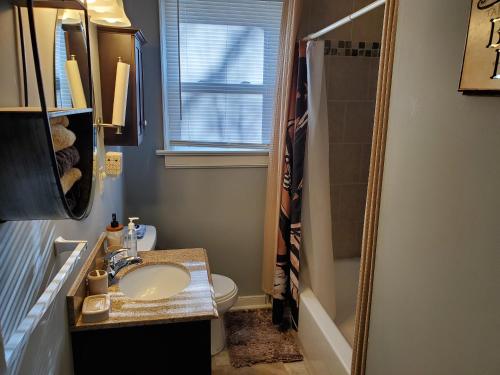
x=50 y=352
x=221 y=210
x=436 y=306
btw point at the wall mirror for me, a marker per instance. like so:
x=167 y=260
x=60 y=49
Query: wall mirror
x=64 y=58
x=65 y=55
x=44 y=120
x=70 y=45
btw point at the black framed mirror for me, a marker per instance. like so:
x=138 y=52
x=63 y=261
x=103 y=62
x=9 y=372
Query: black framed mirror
x=70 y=44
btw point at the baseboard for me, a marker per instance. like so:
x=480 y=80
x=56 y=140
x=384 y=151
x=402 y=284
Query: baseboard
x=252 y=302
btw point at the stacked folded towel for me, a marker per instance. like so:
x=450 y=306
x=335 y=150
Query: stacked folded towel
x=63 y=120
x=69 y=179
x=62 y=137
x=67 y=155
x=66 y=159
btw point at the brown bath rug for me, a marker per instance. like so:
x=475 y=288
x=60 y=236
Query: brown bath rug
x=252 y=338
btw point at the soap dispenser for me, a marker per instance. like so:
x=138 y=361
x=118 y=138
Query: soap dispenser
x=114 y=233
x=131 y=238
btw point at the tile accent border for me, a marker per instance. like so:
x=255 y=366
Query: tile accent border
x=352 y=49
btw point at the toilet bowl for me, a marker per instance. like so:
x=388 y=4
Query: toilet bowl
x=226 y=295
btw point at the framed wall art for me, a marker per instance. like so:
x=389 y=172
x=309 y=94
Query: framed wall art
x=481 y=65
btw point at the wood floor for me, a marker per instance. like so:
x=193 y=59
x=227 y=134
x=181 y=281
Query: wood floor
x=222 y=366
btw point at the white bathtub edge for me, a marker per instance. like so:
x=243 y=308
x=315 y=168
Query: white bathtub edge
x=326 y=351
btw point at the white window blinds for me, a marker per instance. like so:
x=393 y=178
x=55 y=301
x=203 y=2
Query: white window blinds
x=219 y=61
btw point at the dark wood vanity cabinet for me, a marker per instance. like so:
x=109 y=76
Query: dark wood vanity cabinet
x=126 y=43
x=170 y=349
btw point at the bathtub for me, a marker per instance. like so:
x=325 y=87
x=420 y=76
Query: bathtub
x=326 y=337
x=325 y=349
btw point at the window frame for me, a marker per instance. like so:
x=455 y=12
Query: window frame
x=212 y=154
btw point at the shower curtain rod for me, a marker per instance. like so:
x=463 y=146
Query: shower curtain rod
x=345 y=20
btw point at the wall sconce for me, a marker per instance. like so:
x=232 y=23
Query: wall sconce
x=108 y=13
x=120 y=98
x=71 y=17
x=75 y=83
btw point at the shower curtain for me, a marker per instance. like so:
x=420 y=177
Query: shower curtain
x=318 y=272
x=286 y=279
x=305 y=214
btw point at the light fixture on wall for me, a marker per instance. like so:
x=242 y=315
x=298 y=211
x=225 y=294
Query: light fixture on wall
x=71 y=17
x=120 y=98
x=108 y=13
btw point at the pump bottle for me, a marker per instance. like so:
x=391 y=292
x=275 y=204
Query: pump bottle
x=131 y=238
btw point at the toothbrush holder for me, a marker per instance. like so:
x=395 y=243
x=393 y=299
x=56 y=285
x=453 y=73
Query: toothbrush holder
x=97 y=282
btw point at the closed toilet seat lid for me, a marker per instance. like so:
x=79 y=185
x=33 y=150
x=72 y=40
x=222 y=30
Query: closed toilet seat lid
x=223 y=286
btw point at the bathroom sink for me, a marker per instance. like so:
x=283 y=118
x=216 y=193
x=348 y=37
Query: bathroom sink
x=156 y=281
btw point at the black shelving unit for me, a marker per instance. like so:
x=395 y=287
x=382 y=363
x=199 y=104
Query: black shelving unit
x=30 y=187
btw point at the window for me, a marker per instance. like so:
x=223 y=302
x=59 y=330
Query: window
x=63 y=92
x=219 y=65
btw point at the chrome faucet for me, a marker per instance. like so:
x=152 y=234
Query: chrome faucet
x=114 y=266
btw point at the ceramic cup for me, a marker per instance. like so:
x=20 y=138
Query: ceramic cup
x=97 y=282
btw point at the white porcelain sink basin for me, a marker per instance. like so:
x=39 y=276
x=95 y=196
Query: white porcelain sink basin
x=156 y=281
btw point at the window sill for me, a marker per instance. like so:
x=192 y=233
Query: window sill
x=214 y=159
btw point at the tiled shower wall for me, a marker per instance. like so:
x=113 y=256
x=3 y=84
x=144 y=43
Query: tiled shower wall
x=351 y=87
x=351 y=63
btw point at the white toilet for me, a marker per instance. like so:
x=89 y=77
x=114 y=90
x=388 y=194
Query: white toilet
x=226 y=295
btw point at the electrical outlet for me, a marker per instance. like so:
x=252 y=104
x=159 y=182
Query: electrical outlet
x=114 y=163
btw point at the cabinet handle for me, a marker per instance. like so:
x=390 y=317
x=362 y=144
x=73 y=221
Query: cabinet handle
x=145 y=123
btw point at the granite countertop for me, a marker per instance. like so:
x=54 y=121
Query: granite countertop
x=195 y=302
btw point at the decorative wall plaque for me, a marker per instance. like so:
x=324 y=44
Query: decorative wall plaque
x=481 y=66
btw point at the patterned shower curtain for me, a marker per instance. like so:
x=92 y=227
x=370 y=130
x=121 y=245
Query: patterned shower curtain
x=286 y=279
